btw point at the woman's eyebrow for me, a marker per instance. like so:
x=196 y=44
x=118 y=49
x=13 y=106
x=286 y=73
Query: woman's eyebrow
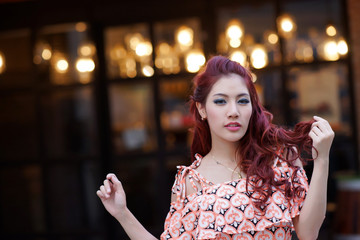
x=225 y=95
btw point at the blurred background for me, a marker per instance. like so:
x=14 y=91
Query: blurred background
x=91 y=87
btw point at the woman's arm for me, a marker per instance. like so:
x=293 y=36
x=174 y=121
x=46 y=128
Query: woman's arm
x=308 y=223
x=113 y=197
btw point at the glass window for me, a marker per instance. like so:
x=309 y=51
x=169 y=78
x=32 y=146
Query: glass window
x=65 y=199
x=248 y=35
x=178 y=46
x=175 y=118
x=65 y=54
x=132 y=117
x=138 y=176
x=312 y=31
x=21 y=199
x=16 y=59
x=324 y=91
x=69 y=115
x=269 y=88
x=128 y=51
x=18 y=127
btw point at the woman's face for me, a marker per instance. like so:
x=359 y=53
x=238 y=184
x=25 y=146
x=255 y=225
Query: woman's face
x=227 y=109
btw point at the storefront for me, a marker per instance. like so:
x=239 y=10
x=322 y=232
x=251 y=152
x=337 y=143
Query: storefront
x=88 y=88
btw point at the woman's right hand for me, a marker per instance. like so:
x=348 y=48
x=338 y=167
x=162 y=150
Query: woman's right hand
x=112 y=195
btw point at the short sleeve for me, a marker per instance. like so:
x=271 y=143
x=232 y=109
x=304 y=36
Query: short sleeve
x=300 y=187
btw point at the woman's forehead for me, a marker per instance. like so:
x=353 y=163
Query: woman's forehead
x=230 y=83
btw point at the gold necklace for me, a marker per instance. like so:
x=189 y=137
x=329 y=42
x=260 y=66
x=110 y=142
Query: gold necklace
x=232 y=170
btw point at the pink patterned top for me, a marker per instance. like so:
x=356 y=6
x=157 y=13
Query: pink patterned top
x=226 y=211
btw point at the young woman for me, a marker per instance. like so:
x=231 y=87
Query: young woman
x=247 y=180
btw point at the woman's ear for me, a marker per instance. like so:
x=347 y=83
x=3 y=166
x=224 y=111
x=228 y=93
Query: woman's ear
x=201 y=110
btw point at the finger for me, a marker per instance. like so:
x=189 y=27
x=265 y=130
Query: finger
x=317 y=118
x=323 y=122
x=312 y=135
x=112 y=177
x=317 y=131
x=100 y=195
x=103 y=191
x=107 y=185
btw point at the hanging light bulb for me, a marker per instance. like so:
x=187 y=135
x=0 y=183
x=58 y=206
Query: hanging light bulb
x=234 y=33
x=286 y=25
x=259 y=57
x=330 y=30
x=143 y=49
x=85 y=65
x=234 y=29
x=87 y=50
x=194 y=60
x=185 y=36
x=331 y=51
x=46 y=52
x=61 y=65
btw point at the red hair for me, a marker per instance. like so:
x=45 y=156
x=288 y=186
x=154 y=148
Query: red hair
x=263 y=141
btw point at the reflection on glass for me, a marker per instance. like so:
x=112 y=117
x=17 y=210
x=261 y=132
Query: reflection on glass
x=315 y=38
x=69 y=122
x=58 y=51
x=175 y=119
x=129 y=51
x=26 y=185
x=179 y=46
x=248 y=33
x=15 y=58
x=132 y=117
x=18 y=127
x=323 y=92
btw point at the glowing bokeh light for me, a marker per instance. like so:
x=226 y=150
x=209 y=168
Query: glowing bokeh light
x=81 y=27
x=85 y=65
x=234 y=31
x=235 y=42
x=87 y=50
x=143 y=49
x=342 y=47
x=62 y=66
x=194 y=61
x=185 y=36
x=259 y=57
x=46 y=53
x=239 y=56
x=331 y=51
x=330 y=30
x=148 y=71
x=273 y=38
x=287 y=25
x=2 y=62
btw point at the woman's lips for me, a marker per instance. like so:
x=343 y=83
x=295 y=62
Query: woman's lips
x=233 y=126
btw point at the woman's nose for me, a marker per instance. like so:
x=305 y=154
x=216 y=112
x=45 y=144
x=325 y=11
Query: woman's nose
x=233 y=111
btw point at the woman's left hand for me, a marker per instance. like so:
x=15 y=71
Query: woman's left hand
x=322 y=135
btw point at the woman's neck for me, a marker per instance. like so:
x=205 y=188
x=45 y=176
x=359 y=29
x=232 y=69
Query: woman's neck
x=224 y=152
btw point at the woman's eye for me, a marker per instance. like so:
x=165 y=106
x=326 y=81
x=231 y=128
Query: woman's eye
x=219 y=101
x=244 y=101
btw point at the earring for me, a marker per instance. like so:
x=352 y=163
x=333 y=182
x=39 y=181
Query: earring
x=203 y=118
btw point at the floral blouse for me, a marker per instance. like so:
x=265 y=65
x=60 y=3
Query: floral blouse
x=226 y=211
